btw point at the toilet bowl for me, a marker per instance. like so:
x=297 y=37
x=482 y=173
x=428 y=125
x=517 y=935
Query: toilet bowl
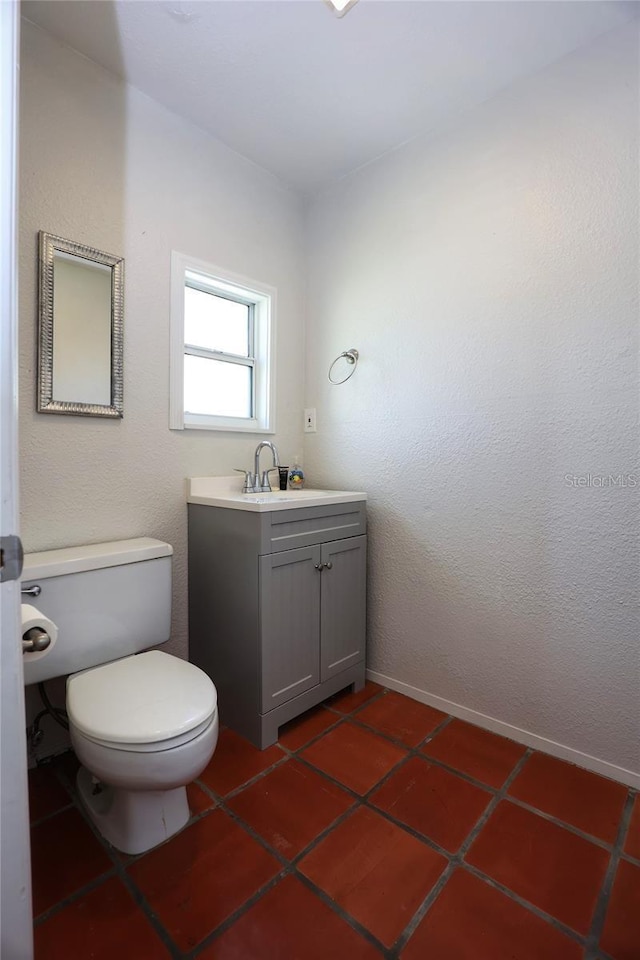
x=142 y=727
x=143 y=723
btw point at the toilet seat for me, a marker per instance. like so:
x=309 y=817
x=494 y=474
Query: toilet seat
x=157 y=746
x=144 y=703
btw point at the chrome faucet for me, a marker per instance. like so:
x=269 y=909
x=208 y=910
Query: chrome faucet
x=253 y=483
x=262 y=485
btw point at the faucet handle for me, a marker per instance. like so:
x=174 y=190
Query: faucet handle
x=250 y=482
x=265 y=485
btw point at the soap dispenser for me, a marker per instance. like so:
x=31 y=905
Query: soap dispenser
x=296 y=475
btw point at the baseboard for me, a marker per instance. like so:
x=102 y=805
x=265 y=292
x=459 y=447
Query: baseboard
x=559 y=750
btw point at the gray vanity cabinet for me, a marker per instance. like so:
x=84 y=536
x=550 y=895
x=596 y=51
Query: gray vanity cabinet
x=277 y=609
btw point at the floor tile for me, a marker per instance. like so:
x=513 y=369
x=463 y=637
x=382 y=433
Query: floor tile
x=290 y=923
x=621 y=934
x=402 y=718
x=65 y=856
x=353 y=756
x=544 y=863
x=632 y=843
x=432 y=801
x=571 y=794
x=291 y=806
x=104 y=924
x=46 y=793
x=199 y=801
x=471 y=920
x=476 y=752
x=235 y=761
x=199 y=877
x=299 y=731
x=347 y=702
x=376 y=871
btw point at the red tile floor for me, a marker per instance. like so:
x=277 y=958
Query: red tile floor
x=377 y=827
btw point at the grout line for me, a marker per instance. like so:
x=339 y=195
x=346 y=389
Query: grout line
x=597 y=841
x=209 y=792
x=284 y=862
x=295 y=860
x=360 y=797
x=49 y=816
x=343 y=914
x=140 y=900
x=531 y=907
x=395 y=740
x=67 y=901
x=235 y=916
x=458 y=773
x=249 y=783
x=500 y=795
x=423 y=909
x=339 y=719
x=629 y=858
x=349 y=713
x=600 y=912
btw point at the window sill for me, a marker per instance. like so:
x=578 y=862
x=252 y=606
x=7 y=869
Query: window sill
x=252 y=427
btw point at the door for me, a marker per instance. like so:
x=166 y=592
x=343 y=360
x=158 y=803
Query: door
x=343 y=608
x=290 y=624
x=15 y=880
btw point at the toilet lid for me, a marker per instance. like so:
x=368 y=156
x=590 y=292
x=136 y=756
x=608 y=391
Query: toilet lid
x=146 y=698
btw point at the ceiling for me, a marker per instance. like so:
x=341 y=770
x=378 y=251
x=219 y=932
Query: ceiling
x=311 y=97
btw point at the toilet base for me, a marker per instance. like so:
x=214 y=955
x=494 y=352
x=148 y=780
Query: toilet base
x=133 y=821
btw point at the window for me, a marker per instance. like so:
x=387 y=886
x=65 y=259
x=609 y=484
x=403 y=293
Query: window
x=221 y=349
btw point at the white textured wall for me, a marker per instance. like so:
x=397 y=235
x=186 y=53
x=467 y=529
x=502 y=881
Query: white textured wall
x=489 y=278
x=104 y=165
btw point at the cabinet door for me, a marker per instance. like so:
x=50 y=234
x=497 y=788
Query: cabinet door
x=290 y=624
x=343 y=605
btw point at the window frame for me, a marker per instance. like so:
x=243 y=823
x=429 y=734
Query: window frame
x=261 y=299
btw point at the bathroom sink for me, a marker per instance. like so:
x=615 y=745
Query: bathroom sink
x=226 y=492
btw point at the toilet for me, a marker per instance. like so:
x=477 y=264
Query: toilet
x=143 y=723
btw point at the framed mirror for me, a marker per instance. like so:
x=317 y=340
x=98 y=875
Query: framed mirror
x=80 y=335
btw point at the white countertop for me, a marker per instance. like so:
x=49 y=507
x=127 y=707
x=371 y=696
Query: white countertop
x=227 y=492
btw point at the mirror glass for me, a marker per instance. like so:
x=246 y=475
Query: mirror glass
x=80 y=336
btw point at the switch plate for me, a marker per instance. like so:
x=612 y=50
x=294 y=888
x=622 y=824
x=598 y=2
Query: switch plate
x=310 y=420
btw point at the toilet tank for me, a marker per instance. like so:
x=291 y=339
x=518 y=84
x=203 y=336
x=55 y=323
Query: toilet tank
x=108 y=600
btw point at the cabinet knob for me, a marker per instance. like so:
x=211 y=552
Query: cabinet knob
x=328 y=565
x=318 y=566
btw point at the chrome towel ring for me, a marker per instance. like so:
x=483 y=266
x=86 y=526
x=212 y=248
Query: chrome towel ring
x=351 y=356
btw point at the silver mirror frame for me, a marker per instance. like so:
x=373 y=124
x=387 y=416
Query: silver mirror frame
x=48 y=245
